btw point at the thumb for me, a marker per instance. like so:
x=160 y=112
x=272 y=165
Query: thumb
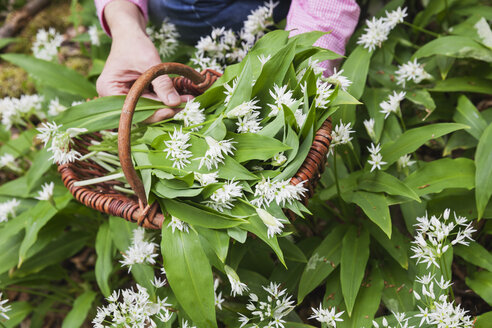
x=164 y=88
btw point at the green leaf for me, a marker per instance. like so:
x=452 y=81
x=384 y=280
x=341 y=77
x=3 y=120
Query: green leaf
x=468 y=114
x=54 y=75
x=291 y=251
x=6 y=41
x=475 y=254
x=247 y=146
x=374 y=206
x=445 y=173
x=200 y=216
x=324 y=260
x=190 y=275
x=218 y=241
x=243 y=89
x=481 y=283
x=397 y=296
x=367 y=303
x=18 y=312
x=104 y=252
x=380 y=181
x=412 y=139
x=355 y=253
x=454 y=46
x=483 y=175
x=464 y=84
x=40 y=215
x=76 y=317
x=397 y=246
x=459 y=140
x=483 y=321
x=40 y=165
x=421 y=97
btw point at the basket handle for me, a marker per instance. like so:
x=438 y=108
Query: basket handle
x=199 y=83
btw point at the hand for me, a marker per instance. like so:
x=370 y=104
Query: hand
x=132 y=53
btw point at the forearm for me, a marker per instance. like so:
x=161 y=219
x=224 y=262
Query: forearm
x=130 y=12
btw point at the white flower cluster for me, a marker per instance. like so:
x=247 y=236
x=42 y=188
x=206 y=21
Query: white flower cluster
x=55 y=108
x=323 y=93
x=46 y=44
x=223 y=197
x=237 y=287
x=266 y=191
x=217 y=150
x=16 y=110
x=229 y=90
x=218 y=296
x=176 y=148
x=179 y=225
x=165 y=38
x=369 y=125
x=340 y=135
x=392 y=105
x=271 y=311
x=135 y=309
x=378 y=29
x=327 y=316
x=206 y=178
x=281 y=96
x=94 y=35
x=434 y=236
x=4 y=308
x=8 y=161
x=191 y=115
x=411 y=71
x=248 y=120
x=60 y=142
x=274 y=225
x=224 y=47
x=376 y=158
x=140 y=251
x=46 y=191
x=405 y=161
x=8 y=209
x=338 y=79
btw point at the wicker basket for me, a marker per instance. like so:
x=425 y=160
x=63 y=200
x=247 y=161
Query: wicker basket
x=104 y=198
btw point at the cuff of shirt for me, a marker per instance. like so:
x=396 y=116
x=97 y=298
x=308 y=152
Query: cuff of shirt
x=338 y=16
x=101 y=4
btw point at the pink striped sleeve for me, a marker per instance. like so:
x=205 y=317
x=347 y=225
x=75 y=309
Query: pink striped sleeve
x=338 y=16
x=101 y=4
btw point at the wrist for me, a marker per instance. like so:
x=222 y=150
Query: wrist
x=124 y=18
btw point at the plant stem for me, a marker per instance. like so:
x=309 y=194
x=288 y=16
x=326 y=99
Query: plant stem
x=444 y=271
x=423 y=30
x=342 y=203
x=98 y=180
x=402 y=122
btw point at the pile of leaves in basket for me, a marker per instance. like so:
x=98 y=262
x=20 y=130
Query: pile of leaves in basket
x=396 y=234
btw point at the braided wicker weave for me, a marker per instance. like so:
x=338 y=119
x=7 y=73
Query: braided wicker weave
x=104 y=198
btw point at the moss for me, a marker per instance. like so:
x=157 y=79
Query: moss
x=80 y=64
x=15 y=81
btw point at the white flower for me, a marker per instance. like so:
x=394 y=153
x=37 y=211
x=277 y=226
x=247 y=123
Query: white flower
x=263 y=59
x=191 y=114
x=223 y=197
x=8 y=161
x=244 y=109
x=229 y=90
x=279 y=159
x=206 y=178
x=395 y=17
x=257 y=22
x=281 y=96
x=237 y=287
x=8 y=209
x=369 y=125
x=217 y=150
x=46 y=44
x=94 y=35
x=376 y=161
x=328 y=316
x=404 y=161
x=250 y=123
x=178 y=224
x=46 y=192
x=55 y=108
x=338 y=79
x=484 y=32
x=323 y=93
x=373 y=150
x=140 y=251
x=60 y=142
x=203 y=62
x=273 y=224
x=165 y=38
x=4 y=308
x=443 y=284
x=218 y=296
x=393 y=104
x=341 y=134
x=15 y=110
x=376 y=33
x=47 y=131
x=176 y=148
x=425 y=279
x=185 y=324
x=158 y=282
x=300 y=117
x=411 y=71
x=281 y=191
x=131 y=308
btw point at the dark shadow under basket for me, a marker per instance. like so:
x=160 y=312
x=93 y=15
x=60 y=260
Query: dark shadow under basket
x=104 y=198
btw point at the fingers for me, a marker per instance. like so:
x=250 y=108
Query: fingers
x=160 y=115
x=164 y=88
